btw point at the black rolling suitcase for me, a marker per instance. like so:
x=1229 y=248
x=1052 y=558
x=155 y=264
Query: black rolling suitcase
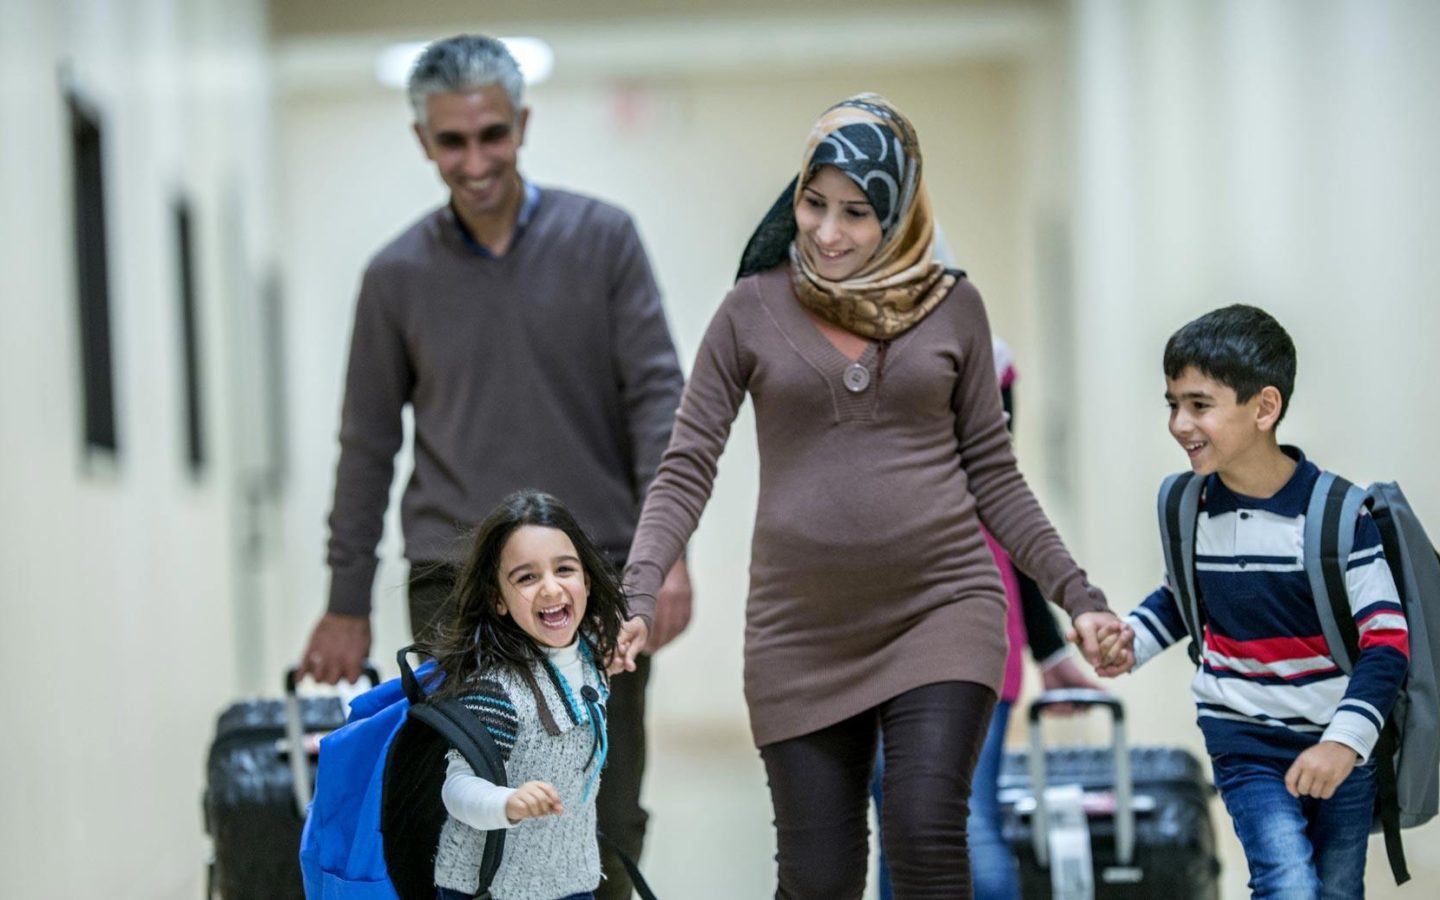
x=1117 y=822
x=257 y=791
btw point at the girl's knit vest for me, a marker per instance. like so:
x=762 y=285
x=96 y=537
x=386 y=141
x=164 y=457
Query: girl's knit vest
x=547 y=730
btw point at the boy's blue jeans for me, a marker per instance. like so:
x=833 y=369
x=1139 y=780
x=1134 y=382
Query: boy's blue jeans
x=1298 y=848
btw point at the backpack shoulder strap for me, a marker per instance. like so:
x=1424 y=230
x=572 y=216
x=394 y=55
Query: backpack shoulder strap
x=1178 y=506
x=1329 y=539
x=467 y=733
x=464 y=731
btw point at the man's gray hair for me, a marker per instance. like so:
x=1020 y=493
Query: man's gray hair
x=462 y=64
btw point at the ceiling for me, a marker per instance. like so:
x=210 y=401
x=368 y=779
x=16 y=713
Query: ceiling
x=332 y=44
x=319 y=18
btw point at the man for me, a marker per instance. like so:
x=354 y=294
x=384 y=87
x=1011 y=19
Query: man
x=524 y=328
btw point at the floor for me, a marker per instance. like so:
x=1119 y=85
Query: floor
x=711 y=837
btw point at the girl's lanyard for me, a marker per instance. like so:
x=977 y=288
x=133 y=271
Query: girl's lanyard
x=600 y=745
x=595 y=714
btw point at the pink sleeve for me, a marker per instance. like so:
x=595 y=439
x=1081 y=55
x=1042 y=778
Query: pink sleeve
x=1014 y=622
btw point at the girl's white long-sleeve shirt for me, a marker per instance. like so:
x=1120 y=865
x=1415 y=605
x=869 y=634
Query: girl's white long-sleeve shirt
x=478 y=802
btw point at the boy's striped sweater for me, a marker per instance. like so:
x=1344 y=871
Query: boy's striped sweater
x=1267 y=684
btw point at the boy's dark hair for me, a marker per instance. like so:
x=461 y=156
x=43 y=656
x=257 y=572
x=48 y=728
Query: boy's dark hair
x=475 y=636
x=1240 y=346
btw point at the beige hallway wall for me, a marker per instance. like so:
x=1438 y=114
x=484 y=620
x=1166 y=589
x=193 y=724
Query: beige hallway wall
x=1279 y=154
x=125 y=618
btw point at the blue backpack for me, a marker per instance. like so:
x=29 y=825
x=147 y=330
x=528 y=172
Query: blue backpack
x=375 y=821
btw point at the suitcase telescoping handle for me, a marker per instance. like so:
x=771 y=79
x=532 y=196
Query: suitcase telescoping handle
x=295 y=737
x=1124 y=790
x=367 y=671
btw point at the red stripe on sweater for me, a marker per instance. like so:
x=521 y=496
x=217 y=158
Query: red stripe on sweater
x=1271 y=650
x=1397 y=639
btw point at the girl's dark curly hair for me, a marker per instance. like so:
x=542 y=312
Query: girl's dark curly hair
x=474 y=635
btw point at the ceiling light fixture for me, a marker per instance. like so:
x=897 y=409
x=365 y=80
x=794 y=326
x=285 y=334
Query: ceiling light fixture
x=533 y=55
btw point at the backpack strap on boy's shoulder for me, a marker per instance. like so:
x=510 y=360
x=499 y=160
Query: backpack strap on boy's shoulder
x=1330 y=517
x=1179 y=510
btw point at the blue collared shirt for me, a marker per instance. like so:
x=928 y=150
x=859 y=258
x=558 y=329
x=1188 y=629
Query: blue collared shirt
x=527 y=212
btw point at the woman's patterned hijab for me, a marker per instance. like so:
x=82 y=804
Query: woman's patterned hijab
x=875 y=146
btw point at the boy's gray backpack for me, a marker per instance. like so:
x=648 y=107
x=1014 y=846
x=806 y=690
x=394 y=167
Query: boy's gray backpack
x=1408 y=752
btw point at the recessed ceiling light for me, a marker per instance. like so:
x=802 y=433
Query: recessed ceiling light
x=533 y=55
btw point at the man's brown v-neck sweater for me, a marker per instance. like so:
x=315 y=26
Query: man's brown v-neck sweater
x=550 y=367
x=869 y=575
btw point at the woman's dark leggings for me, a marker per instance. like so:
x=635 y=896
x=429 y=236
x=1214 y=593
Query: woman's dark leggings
x=819 y=785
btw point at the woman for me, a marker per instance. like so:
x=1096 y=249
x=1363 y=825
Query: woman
x=875 y=605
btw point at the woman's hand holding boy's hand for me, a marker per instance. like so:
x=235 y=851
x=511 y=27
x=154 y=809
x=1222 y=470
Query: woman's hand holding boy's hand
x=1320 y=770
x=532 y=800
x=1104 y=641
x=633 y=634
x=1117 y=650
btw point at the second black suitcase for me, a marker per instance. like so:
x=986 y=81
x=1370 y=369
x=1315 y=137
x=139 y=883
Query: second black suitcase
x=1168 y=829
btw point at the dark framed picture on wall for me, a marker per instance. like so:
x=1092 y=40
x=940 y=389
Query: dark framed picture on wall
x=92 y=280
x=187 y=292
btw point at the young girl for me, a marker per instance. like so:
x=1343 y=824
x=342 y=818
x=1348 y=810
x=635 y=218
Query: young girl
x=533 y=617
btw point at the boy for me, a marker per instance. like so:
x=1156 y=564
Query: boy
x=1289 y=734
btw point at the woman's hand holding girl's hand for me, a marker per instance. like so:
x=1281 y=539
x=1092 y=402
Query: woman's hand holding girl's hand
x=532 y=800
x=633 y=635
